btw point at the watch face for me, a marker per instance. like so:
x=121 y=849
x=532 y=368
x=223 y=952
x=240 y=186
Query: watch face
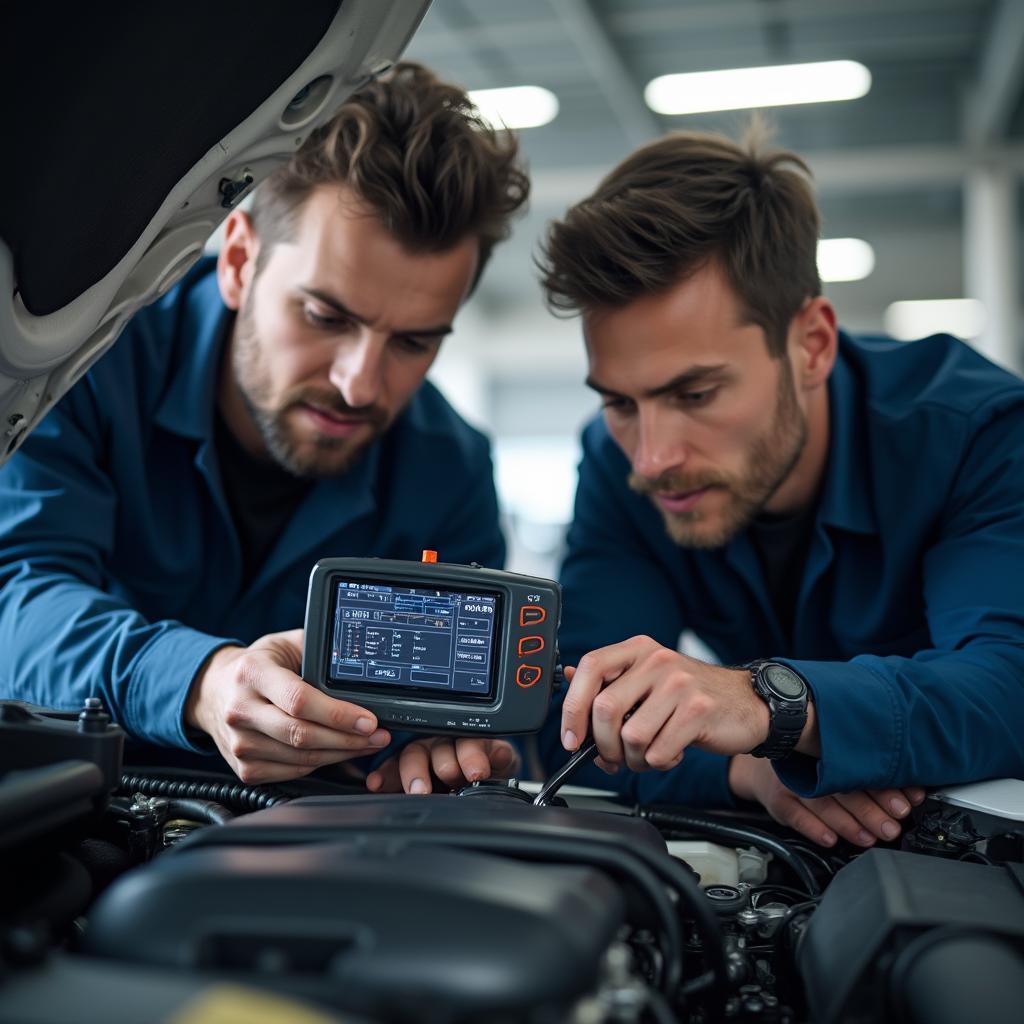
x=784 y=681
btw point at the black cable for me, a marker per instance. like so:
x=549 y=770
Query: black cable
x=679 y=820
x=239 y=797
x=758 y=891
x=811 y=854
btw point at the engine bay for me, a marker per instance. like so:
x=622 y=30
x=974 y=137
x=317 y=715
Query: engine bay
x=155 y=894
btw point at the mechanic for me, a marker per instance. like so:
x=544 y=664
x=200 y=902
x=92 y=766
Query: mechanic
x=157 y=531
x=850 y=510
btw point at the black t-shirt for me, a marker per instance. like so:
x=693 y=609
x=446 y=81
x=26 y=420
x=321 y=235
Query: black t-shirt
x=782 y=543
x=261 y=495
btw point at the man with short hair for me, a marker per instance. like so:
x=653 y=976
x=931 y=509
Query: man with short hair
x=158 y=529
x=841 y=517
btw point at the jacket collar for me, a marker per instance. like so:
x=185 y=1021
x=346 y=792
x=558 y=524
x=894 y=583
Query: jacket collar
x=847 y=496
x=188 y=404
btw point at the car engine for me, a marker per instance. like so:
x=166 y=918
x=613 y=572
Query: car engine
x=157 y=894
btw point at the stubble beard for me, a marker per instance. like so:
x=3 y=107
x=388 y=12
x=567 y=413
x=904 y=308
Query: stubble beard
x=770 y=460
x=311 y=456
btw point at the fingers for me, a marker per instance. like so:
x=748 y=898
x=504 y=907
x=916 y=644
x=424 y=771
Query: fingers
x=257 y=758
x=658 y=732
x=788 y=809
x=839 y=816
x=594 y=670
x=454 y=761
x=386 y=778
x=915 y=794
x=874 y=820
x=894 y=802
x=414 y=768
x=300 y=733
x=296 y=698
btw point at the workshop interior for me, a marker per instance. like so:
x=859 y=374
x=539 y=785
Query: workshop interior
x=153 y=893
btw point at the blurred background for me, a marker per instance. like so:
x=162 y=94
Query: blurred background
x=922 y=171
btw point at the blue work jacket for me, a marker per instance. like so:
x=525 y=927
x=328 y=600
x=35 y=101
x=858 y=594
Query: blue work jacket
x=909 y=624
x=120 y=565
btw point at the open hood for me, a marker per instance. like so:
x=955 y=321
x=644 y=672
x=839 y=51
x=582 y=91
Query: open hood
x=131 y=131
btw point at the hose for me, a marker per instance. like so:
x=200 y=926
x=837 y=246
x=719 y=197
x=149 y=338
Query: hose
x=686 y=821
x=236 y=796
x=199 y=810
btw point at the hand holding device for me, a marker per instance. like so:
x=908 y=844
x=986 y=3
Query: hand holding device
x=270 y=725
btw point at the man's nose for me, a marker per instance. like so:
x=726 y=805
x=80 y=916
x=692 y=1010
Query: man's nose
x=358 y=369
x=658 y=449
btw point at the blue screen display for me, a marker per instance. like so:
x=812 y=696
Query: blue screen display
x=389 y=636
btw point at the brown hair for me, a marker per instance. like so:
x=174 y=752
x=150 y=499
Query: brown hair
x=415 y=150
x=680 y=203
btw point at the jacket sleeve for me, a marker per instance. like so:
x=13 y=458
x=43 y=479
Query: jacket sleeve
x=62 y=636
x=953 y=713
x=616 y=585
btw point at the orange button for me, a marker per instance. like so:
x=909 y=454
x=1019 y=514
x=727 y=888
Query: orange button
x=428 y=555
x=528 y=675
x=530 y=614
x=529 y=644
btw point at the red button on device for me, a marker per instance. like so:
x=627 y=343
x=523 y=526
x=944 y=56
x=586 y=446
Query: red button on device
x=529 y=644
x=530 y=614
x=528 y=675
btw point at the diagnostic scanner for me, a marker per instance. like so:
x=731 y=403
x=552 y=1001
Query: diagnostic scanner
x=433 y=647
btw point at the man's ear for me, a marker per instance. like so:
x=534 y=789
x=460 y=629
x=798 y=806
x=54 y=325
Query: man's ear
x=236 y=263
x=814 y=342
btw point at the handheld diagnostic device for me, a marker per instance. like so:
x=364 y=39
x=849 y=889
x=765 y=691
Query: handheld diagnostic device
x=433 y=647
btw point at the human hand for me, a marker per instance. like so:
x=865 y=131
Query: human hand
x=672 y=701
x=862 y=817
x=455 y=761
x=269 y=723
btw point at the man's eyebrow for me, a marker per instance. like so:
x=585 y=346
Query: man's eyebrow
x=339 y=307
x=687 y=380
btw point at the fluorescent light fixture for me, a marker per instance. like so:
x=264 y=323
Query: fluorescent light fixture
x=964 y=318
x=742 y=88
x=520 y=106
x=845 y=259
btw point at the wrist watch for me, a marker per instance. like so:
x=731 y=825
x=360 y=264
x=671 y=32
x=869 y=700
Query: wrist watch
x=786 y=693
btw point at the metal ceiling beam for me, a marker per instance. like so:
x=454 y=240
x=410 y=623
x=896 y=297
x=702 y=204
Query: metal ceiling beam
x=865 y=170
x=606 y=65
x=713 y=14
x=997 y=91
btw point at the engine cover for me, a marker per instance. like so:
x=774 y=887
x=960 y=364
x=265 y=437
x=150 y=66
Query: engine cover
x=381 y=926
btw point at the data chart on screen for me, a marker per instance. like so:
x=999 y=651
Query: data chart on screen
x=413 y=638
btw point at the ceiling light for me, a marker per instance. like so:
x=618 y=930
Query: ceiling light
x=845 y=259
x=742 y=88
x=521 y=106
x=964 y=318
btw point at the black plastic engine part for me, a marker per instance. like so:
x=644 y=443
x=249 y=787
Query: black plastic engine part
x=630 y=849
x=378 y=927
x=32 y=737
x=884 y=901
x=727 y=900
x=49 y=801
x=950 y=975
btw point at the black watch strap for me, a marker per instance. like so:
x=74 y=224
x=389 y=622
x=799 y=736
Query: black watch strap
x=786 y=693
